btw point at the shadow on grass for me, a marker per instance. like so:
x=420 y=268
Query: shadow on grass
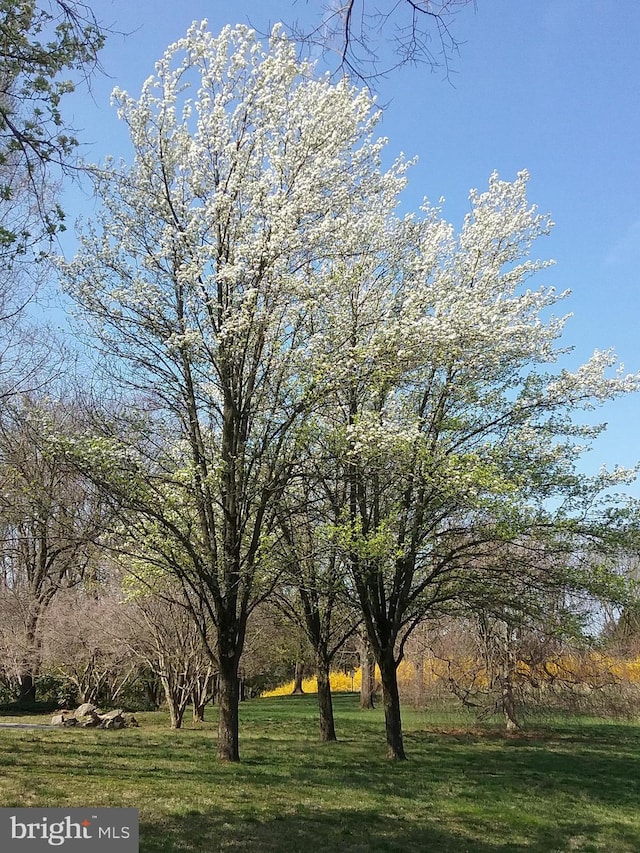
x=345 y=831
x=463 y=789
x=599 y=766
x=339 y=831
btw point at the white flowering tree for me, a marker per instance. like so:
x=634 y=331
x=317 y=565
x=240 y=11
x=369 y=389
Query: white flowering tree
x=449 y=424
x=249 y=281
x=201 y=279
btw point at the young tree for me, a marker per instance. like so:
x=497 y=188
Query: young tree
x=275 y=649
x=313 y=590
x=534 y=600
x=164 y=636
x=452 y=432
x=201 y=280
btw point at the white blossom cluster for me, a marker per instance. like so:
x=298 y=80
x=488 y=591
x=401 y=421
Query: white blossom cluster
x=250 y=263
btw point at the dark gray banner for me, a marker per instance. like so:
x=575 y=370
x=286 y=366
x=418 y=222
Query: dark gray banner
x=69 y=830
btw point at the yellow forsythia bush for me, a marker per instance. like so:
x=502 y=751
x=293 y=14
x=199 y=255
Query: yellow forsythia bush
x=340 y=683
x=594 y=668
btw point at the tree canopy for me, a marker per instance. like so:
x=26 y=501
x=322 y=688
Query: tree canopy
x=250 y=281
x=43 y=46
x=203 y=278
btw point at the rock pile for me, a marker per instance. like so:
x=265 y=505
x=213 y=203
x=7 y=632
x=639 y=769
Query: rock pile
x=88 y=716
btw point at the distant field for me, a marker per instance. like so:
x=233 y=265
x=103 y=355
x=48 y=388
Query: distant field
x=565 y=785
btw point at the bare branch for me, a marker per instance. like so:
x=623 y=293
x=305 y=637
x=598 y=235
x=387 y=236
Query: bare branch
x=367 y=41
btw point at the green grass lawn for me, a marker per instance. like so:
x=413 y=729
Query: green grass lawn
x=570 y=785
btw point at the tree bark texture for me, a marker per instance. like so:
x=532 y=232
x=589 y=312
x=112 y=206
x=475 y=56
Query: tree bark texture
x=325 y=704
x=368 y=670
x=228 y=699
x=297 y=679
x=174 y=704
x=391 y=701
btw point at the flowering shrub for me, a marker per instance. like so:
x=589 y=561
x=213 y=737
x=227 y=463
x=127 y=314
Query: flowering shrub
x=341 y=682
x=595 y=670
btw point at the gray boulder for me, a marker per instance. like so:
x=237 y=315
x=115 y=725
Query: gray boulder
x=88 y=716
x=64 y=718
x=88 y=721
x=111 y=715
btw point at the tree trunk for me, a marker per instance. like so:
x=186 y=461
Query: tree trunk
x=325 y=703
x=27 y=695
x=297 y=679
x=30 y=665
x=202 y=692
x=509 y=704
x=175 y=715
x=368 y=670
x=199 y=696
x=391 y=701
x=176 y=708
x=228 y=699
x=418 y=699
x=507 y=668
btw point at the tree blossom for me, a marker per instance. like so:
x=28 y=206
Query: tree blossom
x=249 y=277
x=251 y=180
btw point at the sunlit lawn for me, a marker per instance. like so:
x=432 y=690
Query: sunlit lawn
x=572 y=785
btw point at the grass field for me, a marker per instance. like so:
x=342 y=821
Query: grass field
x=571 y=785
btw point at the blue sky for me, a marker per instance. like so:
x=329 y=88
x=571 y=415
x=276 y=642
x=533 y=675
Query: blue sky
x=552 y=86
